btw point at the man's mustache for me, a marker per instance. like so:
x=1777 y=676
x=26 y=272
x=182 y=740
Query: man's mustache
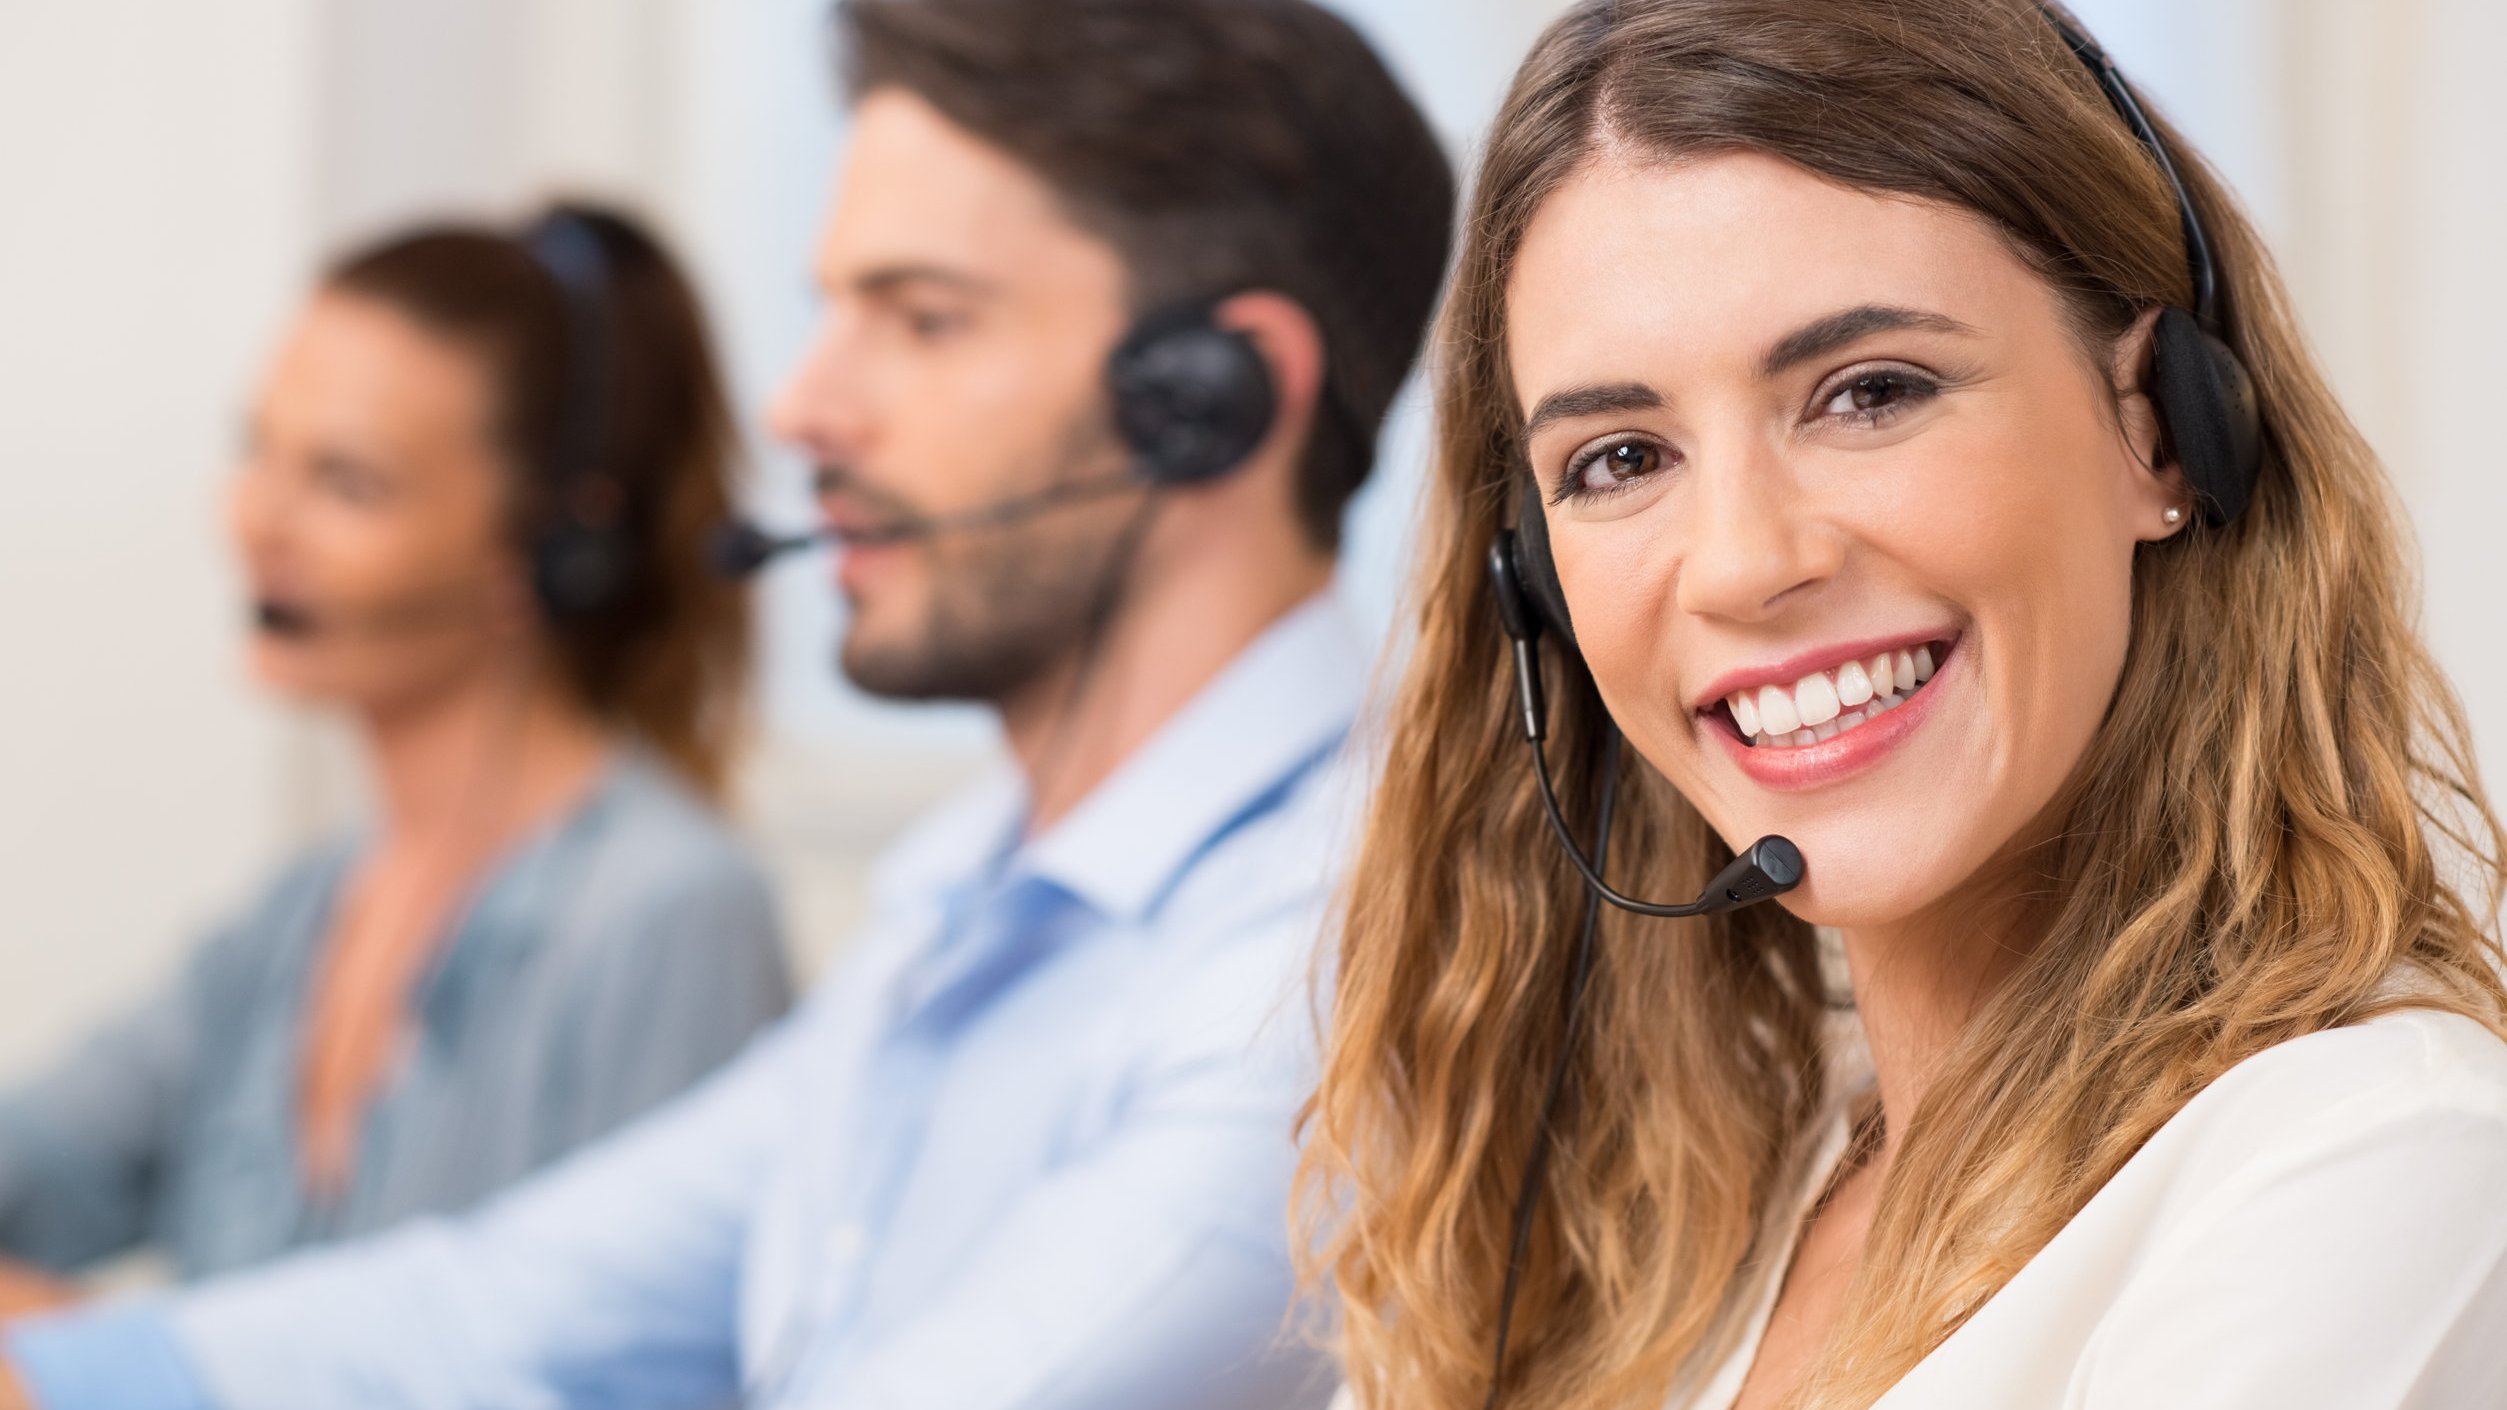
x=893 y=519
x=836 y=481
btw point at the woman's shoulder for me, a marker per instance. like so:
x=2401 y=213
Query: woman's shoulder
x=287 y=912
x=646 y=866
x=2403 y=1065
x=2413 y=1076
x=2416 y=1095
x=654 y=834
x=2318 y=1225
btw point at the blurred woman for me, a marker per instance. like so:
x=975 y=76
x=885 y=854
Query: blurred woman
x=1856 y=408
x=471 y=510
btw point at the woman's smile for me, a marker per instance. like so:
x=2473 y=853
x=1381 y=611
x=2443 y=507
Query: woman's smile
x=1790 y=729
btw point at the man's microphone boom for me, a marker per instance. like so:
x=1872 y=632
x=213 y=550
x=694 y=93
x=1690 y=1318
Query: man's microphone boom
x=740 y=548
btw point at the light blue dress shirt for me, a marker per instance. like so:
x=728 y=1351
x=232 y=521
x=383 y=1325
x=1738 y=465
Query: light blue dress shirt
x=1028 y=1147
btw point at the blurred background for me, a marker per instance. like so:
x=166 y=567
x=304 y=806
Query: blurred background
x=173 y=172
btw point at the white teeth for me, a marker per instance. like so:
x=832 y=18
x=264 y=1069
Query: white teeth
x=1744 y=711
x=1776 y=711
x=1853 y=686
x=1815 y=700
x=1821 y=706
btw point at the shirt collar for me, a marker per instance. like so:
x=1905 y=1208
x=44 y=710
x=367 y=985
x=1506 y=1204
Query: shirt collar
x=1287 y=700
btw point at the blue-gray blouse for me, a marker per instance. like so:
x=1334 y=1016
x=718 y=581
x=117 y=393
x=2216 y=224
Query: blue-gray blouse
x=602 y=966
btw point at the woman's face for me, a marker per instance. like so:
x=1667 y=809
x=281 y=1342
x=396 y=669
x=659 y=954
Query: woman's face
x=1843 y=510
x=369 y=511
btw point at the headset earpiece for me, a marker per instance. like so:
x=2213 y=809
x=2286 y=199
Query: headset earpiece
x=1192 y=400
x=579 y=568
x=583 y=559
x=1536 y=574
x=2205 y=397
x=2206 y=401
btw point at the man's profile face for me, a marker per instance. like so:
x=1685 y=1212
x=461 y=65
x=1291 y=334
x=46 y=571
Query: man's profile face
x=960 y=363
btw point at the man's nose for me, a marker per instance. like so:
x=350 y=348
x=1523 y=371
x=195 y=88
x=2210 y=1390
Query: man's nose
x=819 y=408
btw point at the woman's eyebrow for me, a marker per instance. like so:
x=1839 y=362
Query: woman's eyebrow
x=1836 y=330
x=1593 y=400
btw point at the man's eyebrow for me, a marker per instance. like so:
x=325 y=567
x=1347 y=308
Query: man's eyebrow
x=889 y=278
x=1596 y=400
x=1837 y=330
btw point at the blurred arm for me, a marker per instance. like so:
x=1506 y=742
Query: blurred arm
x=82 y=1145
x=609 y=1281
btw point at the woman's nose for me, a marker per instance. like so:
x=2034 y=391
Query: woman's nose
x=1754 y=538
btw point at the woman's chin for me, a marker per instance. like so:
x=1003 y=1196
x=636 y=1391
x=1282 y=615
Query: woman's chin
x=1848 y=888
x=283 y=672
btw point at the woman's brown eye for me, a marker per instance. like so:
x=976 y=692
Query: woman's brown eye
x=1867 y=396
x=1628 y=461
x=1610 y=467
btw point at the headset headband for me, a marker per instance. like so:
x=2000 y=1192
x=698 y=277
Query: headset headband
x=2120 y=94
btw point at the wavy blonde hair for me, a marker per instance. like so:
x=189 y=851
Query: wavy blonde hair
x=2278 y=812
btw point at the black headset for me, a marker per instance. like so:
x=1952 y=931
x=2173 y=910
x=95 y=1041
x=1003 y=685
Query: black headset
x=583 y=557
x=2205 y=397
x=1192 y=401
x=2206 y=404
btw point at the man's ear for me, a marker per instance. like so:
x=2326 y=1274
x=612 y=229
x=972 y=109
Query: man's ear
x=1291 y=344
x=2158 y=485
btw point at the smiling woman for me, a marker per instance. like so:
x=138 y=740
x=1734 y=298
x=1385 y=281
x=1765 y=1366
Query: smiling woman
x=1881 y=408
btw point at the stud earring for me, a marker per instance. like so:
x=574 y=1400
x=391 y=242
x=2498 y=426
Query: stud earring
x=2173 y=516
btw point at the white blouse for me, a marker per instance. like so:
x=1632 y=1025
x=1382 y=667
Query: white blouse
x=2322 y=1228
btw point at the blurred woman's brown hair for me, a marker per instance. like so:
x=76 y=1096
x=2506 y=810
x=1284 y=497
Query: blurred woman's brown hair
x=2279 y=812
x=664 y=657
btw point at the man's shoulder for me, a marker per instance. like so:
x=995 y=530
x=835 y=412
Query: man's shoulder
x=1285 y=860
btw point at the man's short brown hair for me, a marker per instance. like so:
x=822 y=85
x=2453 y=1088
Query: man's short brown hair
x=1218 y=146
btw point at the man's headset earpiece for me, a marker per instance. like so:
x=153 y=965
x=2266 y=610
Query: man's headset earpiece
x=2204 y=395
x=583 y=557
x=1192 y=401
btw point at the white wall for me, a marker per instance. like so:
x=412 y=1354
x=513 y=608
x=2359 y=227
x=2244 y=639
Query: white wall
x=154 y=217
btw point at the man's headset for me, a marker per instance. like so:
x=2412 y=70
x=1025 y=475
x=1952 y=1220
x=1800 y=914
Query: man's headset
x=2207 y=409
x=1192 y=401
x=582 y=558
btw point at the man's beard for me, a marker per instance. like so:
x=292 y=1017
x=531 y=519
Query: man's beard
x=1010 y=604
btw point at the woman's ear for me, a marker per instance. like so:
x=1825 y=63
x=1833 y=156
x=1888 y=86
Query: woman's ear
x=2160 y=502
x=509 y=606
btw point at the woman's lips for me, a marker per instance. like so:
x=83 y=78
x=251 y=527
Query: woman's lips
x=1885 y=721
